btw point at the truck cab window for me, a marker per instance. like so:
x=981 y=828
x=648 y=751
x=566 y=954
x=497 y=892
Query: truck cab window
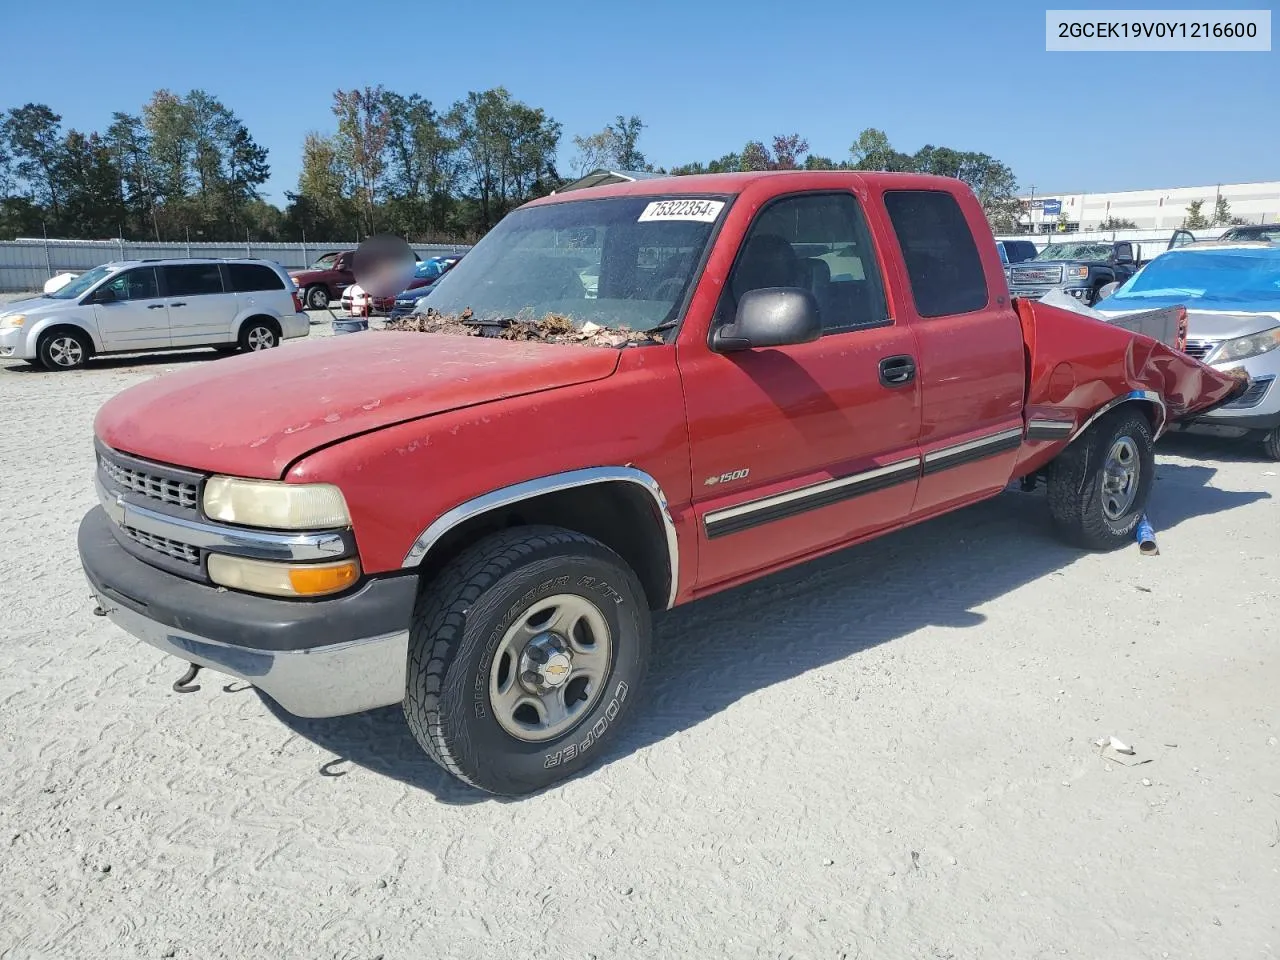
x=821 y=243
x=942 y=260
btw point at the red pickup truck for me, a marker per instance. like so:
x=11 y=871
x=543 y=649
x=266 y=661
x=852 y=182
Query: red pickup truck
x=762 y=368
x=325 y=279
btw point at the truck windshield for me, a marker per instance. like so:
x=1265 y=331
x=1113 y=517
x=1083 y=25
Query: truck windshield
x=619 y=263
x=1075 y=251
x=80 y=284
x=1242 y=276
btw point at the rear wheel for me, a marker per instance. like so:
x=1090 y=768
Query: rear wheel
x=1099 y=486
x=63 y=350
x=259 y=334
x=524 y=655
x=317 y=298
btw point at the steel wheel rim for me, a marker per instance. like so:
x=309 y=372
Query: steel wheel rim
x=550 y=668
x=66 y=351
x=1120 y=475
x=260 y=338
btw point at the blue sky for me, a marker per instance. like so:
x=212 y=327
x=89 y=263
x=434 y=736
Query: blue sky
x=705 y=75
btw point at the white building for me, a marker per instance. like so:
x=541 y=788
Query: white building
x=1161 y=210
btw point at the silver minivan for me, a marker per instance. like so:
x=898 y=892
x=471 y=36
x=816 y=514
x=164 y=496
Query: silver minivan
x=133 y=306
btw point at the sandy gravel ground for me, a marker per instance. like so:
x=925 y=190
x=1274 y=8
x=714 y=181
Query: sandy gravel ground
x=886 y=754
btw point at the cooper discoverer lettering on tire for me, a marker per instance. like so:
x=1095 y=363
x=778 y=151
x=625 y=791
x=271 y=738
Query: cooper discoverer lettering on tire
x=524 y=655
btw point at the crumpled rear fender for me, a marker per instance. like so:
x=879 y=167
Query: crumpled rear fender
x=1079 y=369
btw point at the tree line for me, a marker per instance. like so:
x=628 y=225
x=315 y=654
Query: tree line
x=185 y=167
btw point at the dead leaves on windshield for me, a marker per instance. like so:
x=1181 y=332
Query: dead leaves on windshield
x=553 y=328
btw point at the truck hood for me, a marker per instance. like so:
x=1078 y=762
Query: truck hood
x=253 y=415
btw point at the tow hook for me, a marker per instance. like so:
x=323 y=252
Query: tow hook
x=183 y=684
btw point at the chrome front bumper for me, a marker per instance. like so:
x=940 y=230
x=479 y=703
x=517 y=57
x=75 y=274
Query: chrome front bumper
x=328 y=681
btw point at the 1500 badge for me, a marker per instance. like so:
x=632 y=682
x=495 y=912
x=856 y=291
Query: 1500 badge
x=727 y=477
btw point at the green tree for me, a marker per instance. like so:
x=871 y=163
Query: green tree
x=33 y=135
x=1195 y=219
x=613 y=148
x=506 y=152
x=92 y=202
x=364 y=131
x=1221 y=212
x=321 y=208
x=872 y=151
x=1117 y=223
x=130 y=147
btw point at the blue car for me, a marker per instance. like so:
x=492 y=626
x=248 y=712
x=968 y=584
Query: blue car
x=424 y=277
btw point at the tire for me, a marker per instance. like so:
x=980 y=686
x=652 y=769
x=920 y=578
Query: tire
x=1085 y=513
x=468 y=658
x=317 y=298
x=259 y=334
x=1271 y=444
x=61 y=350
x=1095 y=295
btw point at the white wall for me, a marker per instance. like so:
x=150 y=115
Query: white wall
x=1164 y=209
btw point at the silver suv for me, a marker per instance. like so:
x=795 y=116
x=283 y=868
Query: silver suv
x=137 y=305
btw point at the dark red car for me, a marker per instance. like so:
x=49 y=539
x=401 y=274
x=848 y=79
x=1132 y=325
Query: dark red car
x=325 y=279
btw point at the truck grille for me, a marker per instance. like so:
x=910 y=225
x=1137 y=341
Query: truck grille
x=170 y=548
x=1035 y=275
x=1199 y=349
x=155 y=486
x=163 y=489
x=1256 y=393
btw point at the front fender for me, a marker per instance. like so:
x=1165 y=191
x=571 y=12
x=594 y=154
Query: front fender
x=89 y=326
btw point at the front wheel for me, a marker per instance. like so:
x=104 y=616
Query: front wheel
x=259 y=335
x=525 y=653
x=317 y=298
x=63 y=350
x=1099 y=486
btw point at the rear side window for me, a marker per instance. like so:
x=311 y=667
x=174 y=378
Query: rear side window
x=248 y=277
x=190 y=280
x=942 y=260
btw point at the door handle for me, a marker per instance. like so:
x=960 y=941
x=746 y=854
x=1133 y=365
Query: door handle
x=177 y=304
x=156 y=306
x=895 y=371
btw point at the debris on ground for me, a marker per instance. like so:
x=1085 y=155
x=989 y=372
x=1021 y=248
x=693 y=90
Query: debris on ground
x=552 y=328
x=1117 y=751
x=1146 y=538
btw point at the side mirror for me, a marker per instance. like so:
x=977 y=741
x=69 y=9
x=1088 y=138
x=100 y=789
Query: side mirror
x=1107 y=290
x=771 y=317
x=105 y=295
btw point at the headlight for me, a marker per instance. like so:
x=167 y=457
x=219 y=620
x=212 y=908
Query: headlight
x=278 y=506
x=282 y=579
x=13 y=320
x=1242 y=348
x=1078 y=273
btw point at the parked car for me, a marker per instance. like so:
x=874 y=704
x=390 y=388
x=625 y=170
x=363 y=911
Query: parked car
x=1269 y=232
x=1077 y=269
x=131 y=306
x=1232 y=297
x=427 y=273
x=481 y=527
x=323 y=281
